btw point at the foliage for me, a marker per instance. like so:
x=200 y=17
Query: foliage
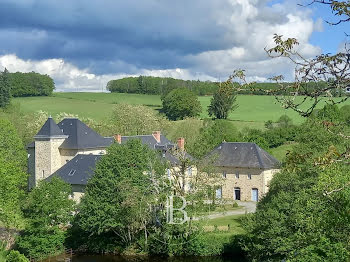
x=135 y=120
x=159 y=85
x=303 y=217
x=11 y=146
x=223 y=101
x=212 y=134
x=181 y=103
x=48 y=210
x=30 y=84
x=15 y=256
x=5 y=89
x=115 y=197
x=12 y=183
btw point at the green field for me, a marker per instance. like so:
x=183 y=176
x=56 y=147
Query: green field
x=252 y=110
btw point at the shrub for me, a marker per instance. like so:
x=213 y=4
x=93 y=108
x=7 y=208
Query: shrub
x=15 y=256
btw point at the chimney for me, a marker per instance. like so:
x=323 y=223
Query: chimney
x=156 y=135
x=181 y=143
x=118 y=138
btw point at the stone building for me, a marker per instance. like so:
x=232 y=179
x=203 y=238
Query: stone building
x=246 y=170
x=70 y=150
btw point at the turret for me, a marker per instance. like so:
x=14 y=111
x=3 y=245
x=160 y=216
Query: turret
x=46 y=155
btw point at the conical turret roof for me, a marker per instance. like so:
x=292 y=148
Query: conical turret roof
x=49 y=129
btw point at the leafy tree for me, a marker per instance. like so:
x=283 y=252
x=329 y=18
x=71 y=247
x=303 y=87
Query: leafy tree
x=212 y=134
x=135 y=120
x=30 y=84
x=11 y=146
x=223 y=101
x=181 y=103
x=5 y=89
x=48 y=210
x=114 y=208
x=12 y=183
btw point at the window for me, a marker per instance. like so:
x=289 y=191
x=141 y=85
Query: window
x=237 y=175
x=218 y=193
x=224 y=174
x=168 y=173
x=189 y=171
x=43 y=174
x=249 y=176
x=71 y=173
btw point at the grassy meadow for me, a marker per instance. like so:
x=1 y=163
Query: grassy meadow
x=252 y=110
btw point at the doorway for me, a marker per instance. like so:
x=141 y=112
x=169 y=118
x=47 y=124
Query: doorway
x=237 y=193
x=255 y=194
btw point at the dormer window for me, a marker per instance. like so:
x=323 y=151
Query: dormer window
x=72 y=172
x=237 y=175
x=224 y=175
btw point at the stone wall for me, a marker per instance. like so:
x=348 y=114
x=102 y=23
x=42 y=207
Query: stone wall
x=247 y=180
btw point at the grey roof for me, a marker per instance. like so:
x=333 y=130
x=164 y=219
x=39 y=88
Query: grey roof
x=150 y=141
x=165 y=145
x=80 y=136
x=49 y=129
x=78 y=170
x=248 y=155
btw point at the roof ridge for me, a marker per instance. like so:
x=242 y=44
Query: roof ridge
x=258 y=155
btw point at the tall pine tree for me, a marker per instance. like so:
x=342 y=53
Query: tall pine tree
x=5 y=90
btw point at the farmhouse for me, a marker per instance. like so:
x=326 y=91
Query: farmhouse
x=70 y=150
x=246 y=170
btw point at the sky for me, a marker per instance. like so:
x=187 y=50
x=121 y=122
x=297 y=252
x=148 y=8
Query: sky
x=82 y=44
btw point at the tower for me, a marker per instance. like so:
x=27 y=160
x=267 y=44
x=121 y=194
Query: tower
x=44 y=157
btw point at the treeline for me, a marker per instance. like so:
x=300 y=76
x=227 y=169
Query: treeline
x=164 y=85
x=30 y=84
x=159 y=85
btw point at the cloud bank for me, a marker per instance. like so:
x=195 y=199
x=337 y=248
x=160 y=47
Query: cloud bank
x=83 y=44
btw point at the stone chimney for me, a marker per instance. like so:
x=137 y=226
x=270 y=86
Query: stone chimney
x=181 y=143
x=156 y=135
x=118 y=138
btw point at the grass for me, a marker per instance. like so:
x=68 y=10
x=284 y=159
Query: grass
x=252 y=109
x=281 y=151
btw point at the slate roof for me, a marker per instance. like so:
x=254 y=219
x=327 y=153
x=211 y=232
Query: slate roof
x=78 y=170
x=49 y=129
x=165 y=145
x=80 y=136
x=246 y=155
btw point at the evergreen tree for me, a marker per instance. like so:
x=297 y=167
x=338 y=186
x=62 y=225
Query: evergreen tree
x=5 y=93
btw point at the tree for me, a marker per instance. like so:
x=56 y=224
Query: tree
x=49 y=210
x=11 y=146
x=304 y=216
x=114 y=208
x=135 y=120
x=181 y=103
x=223 y=101
x=5 y=89
x=12 y=184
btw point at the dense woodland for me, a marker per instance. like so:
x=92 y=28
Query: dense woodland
x=164 y=85
x=30 y=84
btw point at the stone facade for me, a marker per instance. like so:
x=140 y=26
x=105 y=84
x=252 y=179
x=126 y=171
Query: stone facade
x=252 y=184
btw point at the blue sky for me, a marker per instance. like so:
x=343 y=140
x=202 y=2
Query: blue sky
x=85 y=43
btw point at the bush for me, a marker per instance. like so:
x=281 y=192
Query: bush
x=15 y=256
x=181 y=103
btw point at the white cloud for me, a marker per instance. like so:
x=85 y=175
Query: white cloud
x=245 y=28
